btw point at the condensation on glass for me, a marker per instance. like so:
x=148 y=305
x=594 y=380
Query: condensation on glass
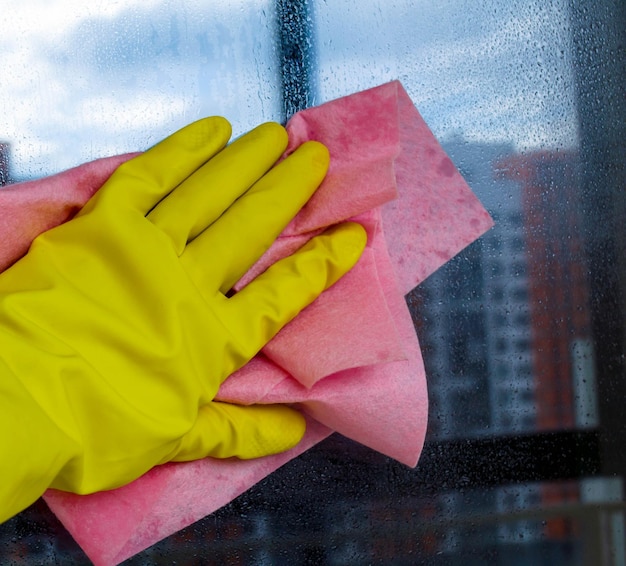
x=525 y=98
x=82 y=81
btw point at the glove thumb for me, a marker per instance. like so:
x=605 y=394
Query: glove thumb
x=223 y=430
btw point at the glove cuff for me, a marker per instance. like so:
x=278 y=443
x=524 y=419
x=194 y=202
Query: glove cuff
x=33 y=449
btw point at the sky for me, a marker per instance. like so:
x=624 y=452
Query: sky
x=85 y=80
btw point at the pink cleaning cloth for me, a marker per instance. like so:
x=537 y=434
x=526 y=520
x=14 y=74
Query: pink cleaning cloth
x=30 y=208
x=351 y=360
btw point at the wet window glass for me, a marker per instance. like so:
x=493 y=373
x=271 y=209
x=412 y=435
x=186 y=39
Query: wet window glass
x=522 y=333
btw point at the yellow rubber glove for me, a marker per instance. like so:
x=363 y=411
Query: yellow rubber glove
x=116 y=328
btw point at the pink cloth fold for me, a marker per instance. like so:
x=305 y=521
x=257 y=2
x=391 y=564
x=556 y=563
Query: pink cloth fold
x=350 y=361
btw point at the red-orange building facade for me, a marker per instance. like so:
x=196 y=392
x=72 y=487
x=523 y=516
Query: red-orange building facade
x=557 y=277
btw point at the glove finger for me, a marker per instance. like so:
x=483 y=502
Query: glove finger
x=257 y=312
x=205 y=195
x=223 y=430
x=143 y=181
x=249 y=227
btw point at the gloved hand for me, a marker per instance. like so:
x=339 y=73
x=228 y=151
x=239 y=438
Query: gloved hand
x=117 y=328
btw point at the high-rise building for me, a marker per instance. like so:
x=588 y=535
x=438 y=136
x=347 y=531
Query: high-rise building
x=563 y=356
x=477 y=330
x=505 y=326
x=558 y=287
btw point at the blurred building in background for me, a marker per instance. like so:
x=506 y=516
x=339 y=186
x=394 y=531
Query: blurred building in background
x=508 y=321
x=558 y=286
x=477 y=331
